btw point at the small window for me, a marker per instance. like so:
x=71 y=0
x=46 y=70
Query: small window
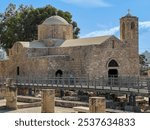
x=132 y=25
x=18 y=71
x=113 y=44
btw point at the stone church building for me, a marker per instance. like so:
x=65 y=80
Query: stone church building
x=56 y=53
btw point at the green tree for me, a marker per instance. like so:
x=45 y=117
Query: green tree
x=20 y=24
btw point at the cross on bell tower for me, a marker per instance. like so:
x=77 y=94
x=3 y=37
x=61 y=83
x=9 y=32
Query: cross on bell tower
x=129 y=12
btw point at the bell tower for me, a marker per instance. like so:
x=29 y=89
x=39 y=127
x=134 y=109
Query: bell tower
x=129 y=35
x=129 y=31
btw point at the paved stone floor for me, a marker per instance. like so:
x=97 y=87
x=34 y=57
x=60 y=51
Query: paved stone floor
x=32 y=109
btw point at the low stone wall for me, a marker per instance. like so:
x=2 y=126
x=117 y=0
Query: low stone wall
x=69 y=104
x=61 y=103
x=36 y=102
x=28 y=99
x=28 y=105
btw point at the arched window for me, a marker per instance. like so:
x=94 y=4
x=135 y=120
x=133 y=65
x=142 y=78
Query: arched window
x=132 y=25
x=113 y=63
x=132 y=35
x=123 y=31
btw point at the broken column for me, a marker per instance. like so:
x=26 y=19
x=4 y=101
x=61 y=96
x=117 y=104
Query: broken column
x=97 y=104
x=11 y=94
x=48 y=101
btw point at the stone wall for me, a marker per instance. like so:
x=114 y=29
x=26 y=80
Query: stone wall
x=55 y=31
x=93 y=61
x=89 y=61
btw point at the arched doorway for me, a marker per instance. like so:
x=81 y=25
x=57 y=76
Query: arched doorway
x=112 y=73
x=113 y=69
x=59 y=73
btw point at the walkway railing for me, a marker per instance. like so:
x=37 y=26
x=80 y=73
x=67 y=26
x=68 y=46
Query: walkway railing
x=113 y=84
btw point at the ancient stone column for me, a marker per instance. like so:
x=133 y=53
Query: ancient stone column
x=97 y=104
x=11 y=94
x=48 y=101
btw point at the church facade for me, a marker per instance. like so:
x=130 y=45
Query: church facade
x=56 y=53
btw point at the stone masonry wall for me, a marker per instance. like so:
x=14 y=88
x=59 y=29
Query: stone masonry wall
x=55 y=31
x=93 y=60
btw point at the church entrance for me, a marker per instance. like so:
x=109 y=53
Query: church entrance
x=113 y=69
x=112 y=77
x=113 y=73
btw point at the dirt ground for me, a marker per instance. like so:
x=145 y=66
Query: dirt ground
x=32 y=109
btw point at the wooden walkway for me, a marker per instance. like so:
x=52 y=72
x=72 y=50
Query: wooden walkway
x=124 y=85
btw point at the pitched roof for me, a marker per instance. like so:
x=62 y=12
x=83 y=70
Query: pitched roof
x=85 y=41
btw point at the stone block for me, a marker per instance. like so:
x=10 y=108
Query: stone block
x=11 y=94
x=97 y=105
x=48 y=101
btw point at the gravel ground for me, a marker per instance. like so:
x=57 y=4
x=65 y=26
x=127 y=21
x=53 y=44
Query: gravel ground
x=32 y=109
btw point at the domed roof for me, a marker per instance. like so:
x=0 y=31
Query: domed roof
x=55 y=20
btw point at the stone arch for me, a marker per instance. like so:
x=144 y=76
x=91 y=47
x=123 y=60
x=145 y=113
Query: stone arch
x=112 y=68
x=113 y=63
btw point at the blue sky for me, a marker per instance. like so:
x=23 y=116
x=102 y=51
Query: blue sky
x=99 y=17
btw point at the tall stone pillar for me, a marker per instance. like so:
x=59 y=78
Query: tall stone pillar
x=48 y=101
x=11 y=94
x=97 y=105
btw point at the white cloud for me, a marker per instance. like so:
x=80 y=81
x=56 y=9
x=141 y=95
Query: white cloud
x=110 y=31
x=88 y=3
x=114 y=30
x=144 y=25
